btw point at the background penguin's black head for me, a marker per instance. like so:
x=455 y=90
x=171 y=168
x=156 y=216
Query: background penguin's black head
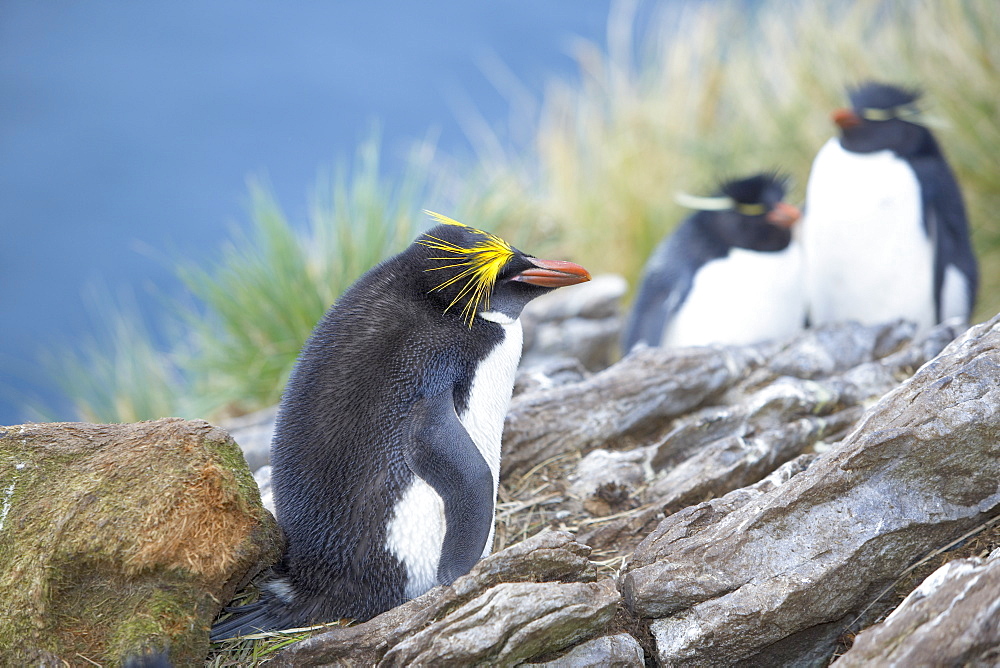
x=882 y=117
x=466 y=271
x=750 y=212
x=756 y=195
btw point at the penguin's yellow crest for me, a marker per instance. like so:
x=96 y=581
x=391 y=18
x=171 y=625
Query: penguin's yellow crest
x=478 y=266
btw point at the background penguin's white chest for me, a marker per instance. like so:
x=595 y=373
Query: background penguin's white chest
x=867 y=255
x=416 y=532
x=745 y=297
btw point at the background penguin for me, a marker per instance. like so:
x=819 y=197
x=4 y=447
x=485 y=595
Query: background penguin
x=386 y=454
x=730 y=273
x=885 y=234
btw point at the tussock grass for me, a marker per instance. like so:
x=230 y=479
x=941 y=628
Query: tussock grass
x=271 y=286
x=118 y=373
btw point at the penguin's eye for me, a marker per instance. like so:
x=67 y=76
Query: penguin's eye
x=751 y=209
x=905 y=112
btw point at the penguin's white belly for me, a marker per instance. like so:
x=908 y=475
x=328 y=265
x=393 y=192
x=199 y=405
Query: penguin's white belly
x=489 y=399
x=415 y=535
x=866 y=253
x=745 y=297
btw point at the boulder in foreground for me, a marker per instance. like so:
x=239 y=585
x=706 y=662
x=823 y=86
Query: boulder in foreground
x=118 y=540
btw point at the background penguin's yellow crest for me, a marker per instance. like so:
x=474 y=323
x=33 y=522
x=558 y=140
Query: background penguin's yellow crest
x=478 y=266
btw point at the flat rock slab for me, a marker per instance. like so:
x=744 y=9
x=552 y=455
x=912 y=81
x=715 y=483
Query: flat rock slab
x=536 y=597
x=115 y=539
x=921 y=467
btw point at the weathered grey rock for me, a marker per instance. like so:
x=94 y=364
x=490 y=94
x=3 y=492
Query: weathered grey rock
x=253 y=432
x=547 y=374
x=509 y=623
x=951 y=619
x=538 y=596
x=597 y=299
x=924 y=347
x=615 y=651
x=593 y=342
x=838 y=350
x=830 y=349
x=262 y=477
x=737 y=461
x=744 y=389
x=582 y=322
x=633 y=399
x=116 y=539
x=602 y=471
x=627 y=532
x=921 y=467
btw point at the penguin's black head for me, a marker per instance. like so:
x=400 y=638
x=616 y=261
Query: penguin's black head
x=748 y=212
x=882 y=117
x=470 y=271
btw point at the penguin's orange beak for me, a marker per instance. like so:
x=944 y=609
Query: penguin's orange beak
x=552 y=273
x=845 y=118
x=783 y=215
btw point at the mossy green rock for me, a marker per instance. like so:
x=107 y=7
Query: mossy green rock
x=115 y=539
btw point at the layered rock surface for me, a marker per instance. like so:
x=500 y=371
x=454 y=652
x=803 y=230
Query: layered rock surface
x=921 y=468
x=756 y=500
x=539 y=596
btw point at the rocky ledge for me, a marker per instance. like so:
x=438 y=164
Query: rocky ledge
x=759 y=505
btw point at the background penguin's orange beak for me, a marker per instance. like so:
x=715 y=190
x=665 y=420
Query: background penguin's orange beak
x=552 y=273
x=783 y=215
x=846 y=118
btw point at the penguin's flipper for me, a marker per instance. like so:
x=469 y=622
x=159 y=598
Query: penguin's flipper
x=660 y=297
x=945 y=221
x=443 y=454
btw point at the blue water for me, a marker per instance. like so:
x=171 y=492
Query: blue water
x=128 y=129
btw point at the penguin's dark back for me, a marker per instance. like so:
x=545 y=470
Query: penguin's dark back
x=337 y=453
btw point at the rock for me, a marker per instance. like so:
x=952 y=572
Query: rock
x=547 y=374
x=951 y=619
x=920 y=468
x=538 y=596
x=253 y=432
x=117 y=540
x=758 y=427
x=262 y=477
x=633 y=402
x=597 y=299
x=615 y=651
x=509 y=623
x=830 y=349
x=593 y=342
x=633 y=399
x=628 y=532
x=605 y=481
x=736 y=461
x=581 y=322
